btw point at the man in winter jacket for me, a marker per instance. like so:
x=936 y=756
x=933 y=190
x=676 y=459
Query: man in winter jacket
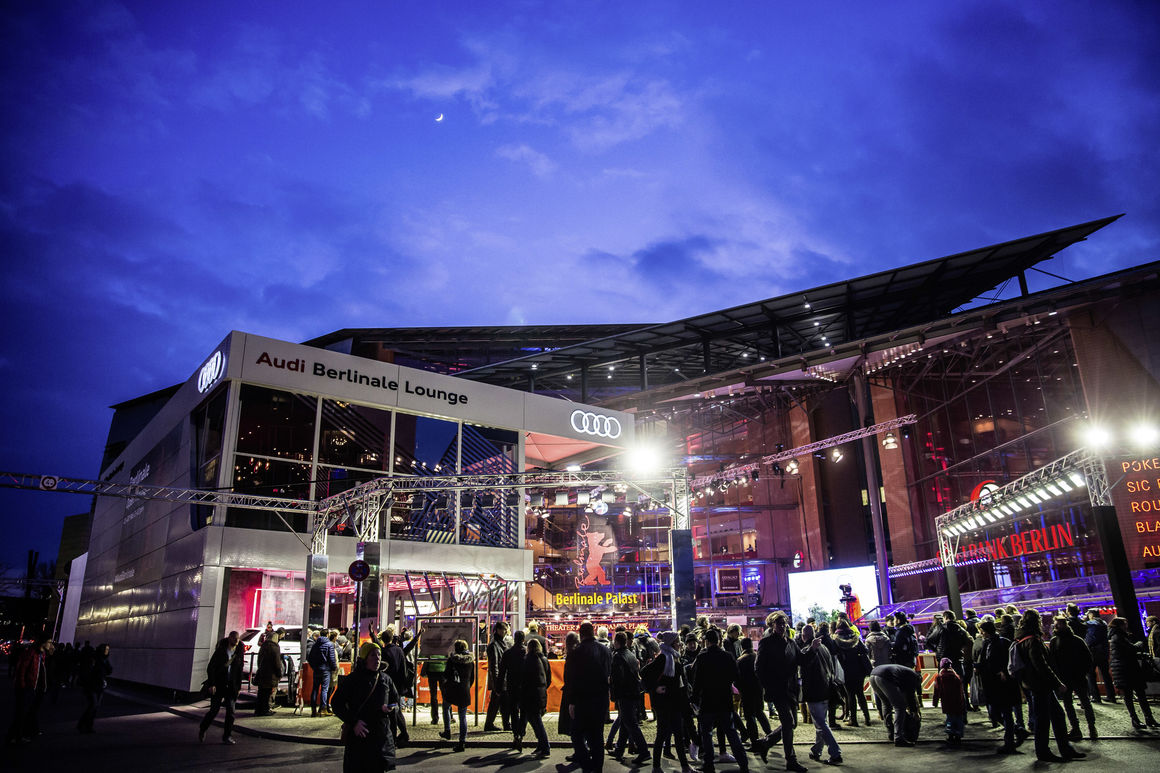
x=1096 y=638
x=950 y=641
x=1040 y=679
x=586 y=671
x=269 y=672
x=625 y=691
x=878 y=644
x=817 y=667
x=778 y=659
x=1127 y=674
x=495 y=700
x=509 y=676
x=896 y=687
x=31 y=675
x=716 y=671
x=323 y=660
x=1073 y=663
x=904 y=651
x=223 y=678
x=1002 y=691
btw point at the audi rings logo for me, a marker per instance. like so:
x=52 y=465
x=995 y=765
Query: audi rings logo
x=588 y=423
x=211 y=371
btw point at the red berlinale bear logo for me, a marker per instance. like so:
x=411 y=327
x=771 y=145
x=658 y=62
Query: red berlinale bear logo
x=592 y=547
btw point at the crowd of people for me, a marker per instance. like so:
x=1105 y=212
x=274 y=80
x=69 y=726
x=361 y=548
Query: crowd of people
x=41 y=669
x=716 y=696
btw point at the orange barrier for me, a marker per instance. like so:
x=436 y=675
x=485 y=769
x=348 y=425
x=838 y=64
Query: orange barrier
x=306 y=681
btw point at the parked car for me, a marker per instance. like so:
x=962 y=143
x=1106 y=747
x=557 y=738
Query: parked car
x=290 y=644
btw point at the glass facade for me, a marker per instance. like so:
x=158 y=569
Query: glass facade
x=992 y=409
x=300 y=446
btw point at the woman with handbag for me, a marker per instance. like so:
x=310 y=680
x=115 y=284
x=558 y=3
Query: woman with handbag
x=364 y=701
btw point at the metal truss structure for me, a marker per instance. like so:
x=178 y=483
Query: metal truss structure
x=1083 y=468
x=820 y=445
x=20 y=480
x=363 y=505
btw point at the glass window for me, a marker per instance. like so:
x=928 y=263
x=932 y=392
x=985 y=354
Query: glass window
x=272 y=478
x=276 y=423
x=487 y=450
x=354 y=436
x=425 y=446
x=208 y=423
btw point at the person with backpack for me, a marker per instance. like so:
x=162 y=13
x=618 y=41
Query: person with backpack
x=458 y=679
x=1096 y=638
x=950 y=641
x=323 y=661
x=817 y=667
x=896 y=688
x=1030 y=664
x=854 y=658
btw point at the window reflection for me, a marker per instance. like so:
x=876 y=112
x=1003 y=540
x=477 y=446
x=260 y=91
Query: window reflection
x=276 y=423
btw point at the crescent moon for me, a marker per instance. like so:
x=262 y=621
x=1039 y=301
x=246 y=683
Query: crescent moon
x=439 y=119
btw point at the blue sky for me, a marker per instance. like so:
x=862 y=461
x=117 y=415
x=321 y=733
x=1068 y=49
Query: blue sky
x=172 y=171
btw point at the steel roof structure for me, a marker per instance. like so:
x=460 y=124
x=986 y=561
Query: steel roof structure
x=794 y=325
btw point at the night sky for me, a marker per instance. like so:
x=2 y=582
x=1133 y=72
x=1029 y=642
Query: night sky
x=172 y=171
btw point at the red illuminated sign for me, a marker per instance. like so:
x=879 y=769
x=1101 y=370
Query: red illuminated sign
x=1020 y=543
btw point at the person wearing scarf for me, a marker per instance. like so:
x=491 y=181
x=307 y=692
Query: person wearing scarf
x=665 y=682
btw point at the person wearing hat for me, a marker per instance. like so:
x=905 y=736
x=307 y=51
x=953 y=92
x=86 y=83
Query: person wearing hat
x=364 y=702
x=270 y=671
x=948 y=688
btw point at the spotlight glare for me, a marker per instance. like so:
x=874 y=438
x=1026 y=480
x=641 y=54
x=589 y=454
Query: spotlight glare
x=1145 y=435
x=1077 y=478
x=1097 y=436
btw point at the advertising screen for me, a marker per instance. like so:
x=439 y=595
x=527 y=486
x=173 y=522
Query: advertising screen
x=820 y=588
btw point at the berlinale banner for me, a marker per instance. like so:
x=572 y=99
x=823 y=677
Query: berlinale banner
x=1020 y=543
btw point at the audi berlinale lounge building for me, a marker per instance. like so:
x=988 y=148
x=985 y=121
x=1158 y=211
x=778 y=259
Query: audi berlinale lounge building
x=163 y=581
x=1000 y=378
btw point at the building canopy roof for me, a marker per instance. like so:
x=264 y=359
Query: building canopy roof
x=790 y=324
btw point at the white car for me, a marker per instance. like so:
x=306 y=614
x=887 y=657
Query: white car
x=290 y=644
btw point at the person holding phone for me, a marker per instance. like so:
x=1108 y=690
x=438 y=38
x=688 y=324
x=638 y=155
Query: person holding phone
x=364 y=702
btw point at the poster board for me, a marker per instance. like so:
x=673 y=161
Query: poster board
x=437 y=636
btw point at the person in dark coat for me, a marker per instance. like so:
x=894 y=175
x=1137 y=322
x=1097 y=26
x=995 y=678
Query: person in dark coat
x=92 y=681
x=950 y=641
x=948 y=688
x=564 y=720
x=496 y=703
x=270 y=672
x=586 y=680
x=752 y=700
x=904 y=649
x=625 y=691
x=458 y=679
x=1127 y=675
x=896 y=687
x=1041 y=681
x=664 y=678
x=223 y=679
x=394 y=663
x=817 y=667
x=855 y=659
x=364 y=702
x=508 y=677
x=1096 y=638
x=535 y=679
x=778 y=659
x=323 y=662
x=716 y=672
x=1001 y=690
x=1073 y=663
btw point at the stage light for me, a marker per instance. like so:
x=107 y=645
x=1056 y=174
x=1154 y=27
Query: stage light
x=644 y=459
x=836 y=455
x=890 y=441
x=572 y=468
x=1077 y=478
x=1144 y=435
x=1097 y=436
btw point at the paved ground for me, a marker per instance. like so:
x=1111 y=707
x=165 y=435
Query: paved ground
x=136 y=733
